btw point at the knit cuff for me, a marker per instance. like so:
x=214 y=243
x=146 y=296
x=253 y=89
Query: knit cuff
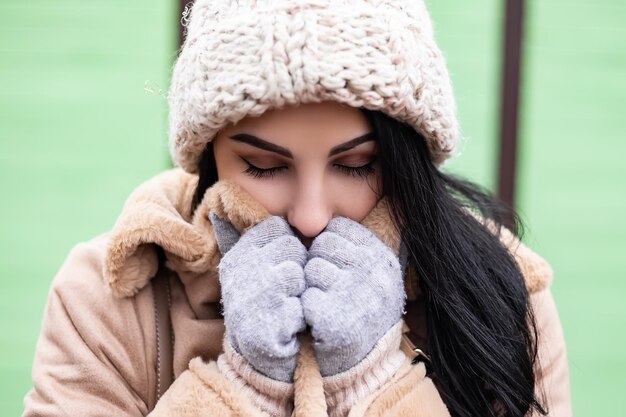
x=378 y=367
x=273 y=397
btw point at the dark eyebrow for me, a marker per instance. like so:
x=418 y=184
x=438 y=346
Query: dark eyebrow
x=351 y=144
x=271 y=147
x=262 y=144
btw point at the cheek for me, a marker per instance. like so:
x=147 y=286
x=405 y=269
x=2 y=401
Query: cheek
x=270 y=194
x=355 y=198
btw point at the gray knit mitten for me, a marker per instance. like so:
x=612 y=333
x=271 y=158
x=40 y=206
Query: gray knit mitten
x=354 y=294
x=262 y=279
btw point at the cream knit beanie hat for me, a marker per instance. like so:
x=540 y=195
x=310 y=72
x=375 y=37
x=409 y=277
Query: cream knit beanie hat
x=244 y=57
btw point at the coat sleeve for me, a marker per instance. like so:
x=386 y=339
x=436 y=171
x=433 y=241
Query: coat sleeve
x=95 y=353
x=552 y=373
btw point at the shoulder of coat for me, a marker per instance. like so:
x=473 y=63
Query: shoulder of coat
x=536 y=270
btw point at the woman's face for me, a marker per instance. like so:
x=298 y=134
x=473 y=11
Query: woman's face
x=308 y=163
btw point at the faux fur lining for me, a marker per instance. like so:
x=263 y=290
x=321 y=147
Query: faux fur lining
x=154 y=215
x=310 y=400
x=157 y=214
x=410 y=394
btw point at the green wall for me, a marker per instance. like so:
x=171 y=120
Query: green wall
x=78 y=132
x=573 y=184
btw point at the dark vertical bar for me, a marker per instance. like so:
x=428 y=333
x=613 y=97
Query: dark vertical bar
x=507 y=159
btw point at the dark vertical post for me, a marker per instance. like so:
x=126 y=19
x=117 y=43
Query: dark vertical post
x=511 y=71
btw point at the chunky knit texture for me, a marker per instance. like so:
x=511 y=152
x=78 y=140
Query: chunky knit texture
x=244 y=57
x=269 y=395
x=341 y=391
x=348 y=388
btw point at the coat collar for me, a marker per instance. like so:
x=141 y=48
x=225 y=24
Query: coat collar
x=158 y=215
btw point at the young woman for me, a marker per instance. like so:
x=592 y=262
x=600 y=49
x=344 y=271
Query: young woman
x=310 y=257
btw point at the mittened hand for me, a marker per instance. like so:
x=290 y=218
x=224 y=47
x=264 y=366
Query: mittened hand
x=355 y=293
x=262 y=279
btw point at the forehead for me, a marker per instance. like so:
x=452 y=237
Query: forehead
x=306 y=128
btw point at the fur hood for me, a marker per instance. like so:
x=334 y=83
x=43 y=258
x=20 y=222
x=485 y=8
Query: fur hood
x=158 y=215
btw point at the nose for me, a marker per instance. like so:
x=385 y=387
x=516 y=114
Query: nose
x=309 y=214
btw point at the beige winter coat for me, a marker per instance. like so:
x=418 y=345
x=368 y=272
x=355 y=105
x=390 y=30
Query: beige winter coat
x=96 y=353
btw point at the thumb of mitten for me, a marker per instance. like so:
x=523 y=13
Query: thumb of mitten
x=225 y=233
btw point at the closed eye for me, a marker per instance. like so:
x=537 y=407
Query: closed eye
x=256 y=172
x=362 y=171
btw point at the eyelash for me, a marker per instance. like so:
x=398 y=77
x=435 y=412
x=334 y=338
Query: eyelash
x=362 y=171
x=257 y=172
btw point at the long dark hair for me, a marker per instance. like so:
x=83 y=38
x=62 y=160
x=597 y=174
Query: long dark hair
x=482 y=337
